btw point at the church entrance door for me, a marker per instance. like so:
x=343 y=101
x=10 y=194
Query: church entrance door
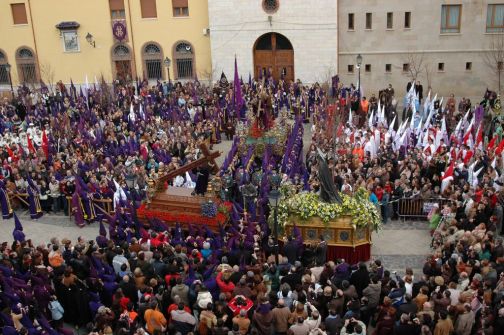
x=273 y=55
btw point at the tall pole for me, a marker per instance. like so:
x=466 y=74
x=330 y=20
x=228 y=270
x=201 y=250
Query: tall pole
x=275 y=233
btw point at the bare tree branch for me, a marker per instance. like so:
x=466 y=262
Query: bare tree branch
x=494 y=58
x=415 y=63
x=210 y=74
x=47 y=74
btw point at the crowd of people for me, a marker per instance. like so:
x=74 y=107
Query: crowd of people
x=107 y=143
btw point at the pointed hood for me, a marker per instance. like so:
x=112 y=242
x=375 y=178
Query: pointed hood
x=103 y=231
x=17 y=223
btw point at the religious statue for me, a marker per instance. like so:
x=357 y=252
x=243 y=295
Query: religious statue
x=328 y=192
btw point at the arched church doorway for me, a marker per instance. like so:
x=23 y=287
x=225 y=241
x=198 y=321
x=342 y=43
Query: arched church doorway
x=273 y=55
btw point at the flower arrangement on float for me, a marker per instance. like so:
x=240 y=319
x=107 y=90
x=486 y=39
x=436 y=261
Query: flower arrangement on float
x=306 y=205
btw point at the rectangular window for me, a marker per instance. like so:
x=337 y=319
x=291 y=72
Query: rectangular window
x=390 y=20
x=351 y=24
x=388 y=67
x=440 y=67
x=4 y=76
x=450 y=18
x=405 y=67
x=19 y=13
x=180 y=7
x=407 y=20
x=350 y=68
x=70 y=41
x=369 y=20
x=117 y=10
x=495 y=18
x=148 y=8
x=468 y=66
x=367 y=68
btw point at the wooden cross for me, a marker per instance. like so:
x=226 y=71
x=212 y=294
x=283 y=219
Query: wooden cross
x=208 y=157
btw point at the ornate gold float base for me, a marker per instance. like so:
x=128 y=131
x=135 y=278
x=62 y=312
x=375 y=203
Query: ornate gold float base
x=344 y=239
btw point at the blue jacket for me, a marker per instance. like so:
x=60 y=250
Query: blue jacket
x=56 y=310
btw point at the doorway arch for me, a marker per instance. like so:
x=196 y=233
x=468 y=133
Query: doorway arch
x=273 y=55
x=121 y=59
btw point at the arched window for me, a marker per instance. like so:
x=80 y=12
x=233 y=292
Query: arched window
x=27 y=66
x=183 y=55
x=270 y=6
x=153 y=61
x=121 y=59
x=122 y=51
x=4 y=75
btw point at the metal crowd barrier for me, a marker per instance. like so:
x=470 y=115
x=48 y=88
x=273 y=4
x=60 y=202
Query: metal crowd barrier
x=418 y=208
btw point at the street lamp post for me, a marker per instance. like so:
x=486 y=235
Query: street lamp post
x=167 y=62
x=359 y=63
x=8 y=68
x=273 y=198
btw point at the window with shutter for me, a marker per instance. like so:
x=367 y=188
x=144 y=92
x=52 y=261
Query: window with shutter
x=180 y=7
x=116 y=4
x=117 y=10
x=148 y=8
x=19 y=13
x=450 y=18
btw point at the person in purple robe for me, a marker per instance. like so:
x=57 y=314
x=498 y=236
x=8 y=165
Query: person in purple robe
x=34 y=200
x=5 y=202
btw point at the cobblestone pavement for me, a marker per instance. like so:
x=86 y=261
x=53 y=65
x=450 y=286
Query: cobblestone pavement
x=402 y=244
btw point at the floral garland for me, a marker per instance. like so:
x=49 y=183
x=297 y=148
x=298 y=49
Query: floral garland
x=220 y=217
x=306 y=205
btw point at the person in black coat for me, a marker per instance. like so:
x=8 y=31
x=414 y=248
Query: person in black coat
x=291 y=250
x=321 y=251
x=407 y=327
x=360 y=278
x=419 y=90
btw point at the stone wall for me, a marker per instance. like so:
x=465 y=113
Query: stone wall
x=422 y=42
x=235 y=25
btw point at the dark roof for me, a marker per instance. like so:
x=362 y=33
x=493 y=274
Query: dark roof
x=68 y=25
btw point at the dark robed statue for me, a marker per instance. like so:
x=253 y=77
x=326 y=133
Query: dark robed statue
x=328 y=192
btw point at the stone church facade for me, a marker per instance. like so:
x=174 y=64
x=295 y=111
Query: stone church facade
x=294 y=38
